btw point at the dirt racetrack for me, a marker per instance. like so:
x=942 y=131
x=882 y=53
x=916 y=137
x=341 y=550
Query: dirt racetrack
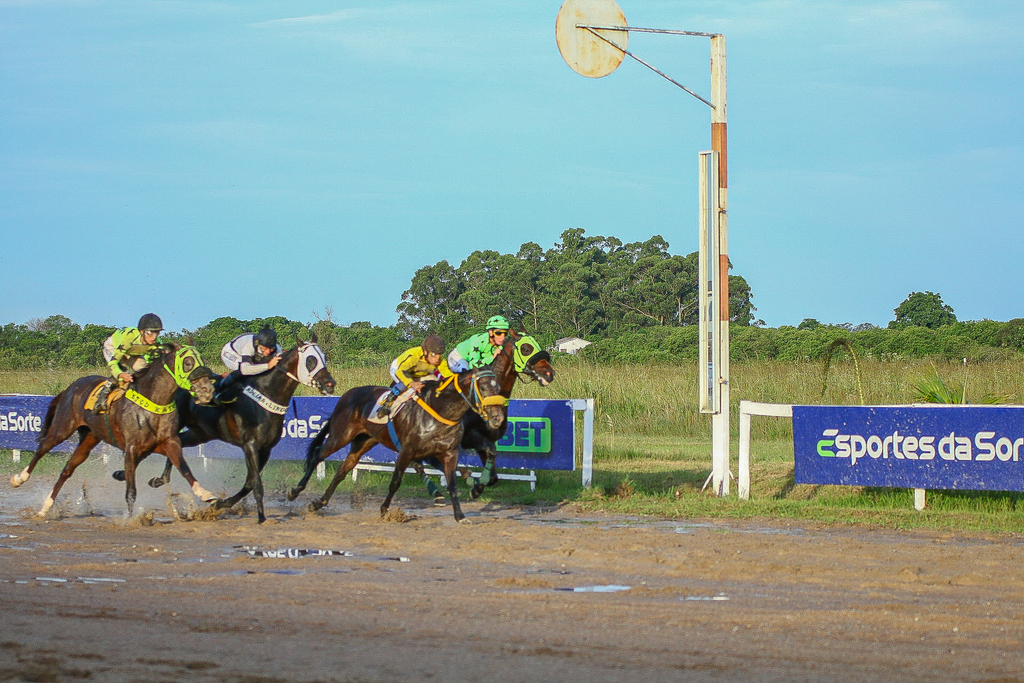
x=520 y=594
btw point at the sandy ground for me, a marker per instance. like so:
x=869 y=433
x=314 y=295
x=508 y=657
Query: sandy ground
x=519 y=594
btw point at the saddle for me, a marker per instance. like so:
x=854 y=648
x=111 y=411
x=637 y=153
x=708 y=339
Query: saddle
x=103 y=396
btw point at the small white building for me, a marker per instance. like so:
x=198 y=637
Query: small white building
x=571 y=345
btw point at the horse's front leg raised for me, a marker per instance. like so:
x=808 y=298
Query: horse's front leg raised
x=488 y=477
x=171 y=449
x=165 y=478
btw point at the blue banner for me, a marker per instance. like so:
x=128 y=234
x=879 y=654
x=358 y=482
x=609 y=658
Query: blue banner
x=541 y=434
x=928 y=447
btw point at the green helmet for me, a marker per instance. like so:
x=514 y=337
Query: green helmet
x=497 y=322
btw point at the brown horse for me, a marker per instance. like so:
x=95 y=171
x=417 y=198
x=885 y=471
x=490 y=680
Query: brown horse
x=144 y=421
x=254 y=421
x=431 y=433
x=519 y=354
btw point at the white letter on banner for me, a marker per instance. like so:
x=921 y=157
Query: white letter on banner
x=963 y=448
x=910 y=447
x=987 y=450
x=1004 y=449
x=3 y=423
x=843 y=446
x=314 y=423
x=927 y=449
x=947 y=447
x=857 y=448
x=875 y=446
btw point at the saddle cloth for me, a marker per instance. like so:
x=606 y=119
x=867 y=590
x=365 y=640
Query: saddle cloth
x=372 y=417
x=115 y=393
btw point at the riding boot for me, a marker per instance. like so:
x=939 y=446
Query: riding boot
x=100 y=406
x=385 y=407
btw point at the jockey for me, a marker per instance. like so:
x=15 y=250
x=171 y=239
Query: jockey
x=480 y=349
x=245 y=356
x=411 y=369
x=125 y=354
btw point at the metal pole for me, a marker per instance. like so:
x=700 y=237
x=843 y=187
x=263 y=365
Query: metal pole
x=719 y=143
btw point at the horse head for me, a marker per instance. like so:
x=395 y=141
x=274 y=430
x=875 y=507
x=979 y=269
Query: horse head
x=482 y=391
x=185 y=365
x=531 y=360
x=307 y=365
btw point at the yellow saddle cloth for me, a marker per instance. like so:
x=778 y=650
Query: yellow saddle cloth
x=115 y=393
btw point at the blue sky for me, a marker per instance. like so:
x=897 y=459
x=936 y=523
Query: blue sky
x=249 y=159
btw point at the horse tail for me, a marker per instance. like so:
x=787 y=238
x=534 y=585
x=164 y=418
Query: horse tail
x=316 y=446
x=51 y=410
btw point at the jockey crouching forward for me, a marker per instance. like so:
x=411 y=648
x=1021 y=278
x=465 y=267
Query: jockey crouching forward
x=126 y=352
x=480 y=349
x=246 y=355
x=411 y=369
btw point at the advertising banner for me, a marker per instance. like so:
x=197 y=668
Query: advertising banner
x=971 y=447
x=541 y=434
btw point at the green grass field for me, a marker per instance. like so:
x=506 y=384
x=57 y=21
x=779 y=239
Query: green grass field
x=652 y=449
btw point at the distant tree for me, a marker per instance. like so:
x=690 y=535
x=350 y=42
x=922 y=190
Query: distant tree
x=923 y=309
x=808 y=324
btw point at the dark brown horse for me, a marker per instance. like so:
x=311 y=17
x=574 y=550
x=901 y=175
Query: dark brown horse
x=519 y=354
x=144 y=421
x=430 y=433
x=254 y=421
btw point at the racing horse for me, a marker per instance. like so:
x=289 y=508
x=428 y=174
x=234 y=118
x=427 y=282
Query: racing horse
x=144 y=421
x=427 y=429
x=519 y=354
x=254 y=421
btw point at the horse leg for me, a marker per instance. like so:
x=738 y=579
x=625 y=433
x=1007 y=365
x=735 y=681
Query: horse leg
x=131 y=461
x=348 y=464
x=172 y=451
x=451 y=463
x=488 y=477
x=330 y=445
x=252 y=480
x=187 y=438
x=85 y=446
x=52 y=439
x=165 y=478
x=396 y=481
x=433 y=489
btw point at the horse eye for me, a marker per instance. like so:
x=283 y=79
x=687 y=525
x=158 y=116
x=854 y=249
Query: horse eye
x=311 y=363
x=527 y=349
x=188 y=364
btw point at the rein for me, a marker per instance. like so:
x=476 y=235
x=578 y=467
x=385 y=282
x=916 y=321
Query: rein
x=476 y=403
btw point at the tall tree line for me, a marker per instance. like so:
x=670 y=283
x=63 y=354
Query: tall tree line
x=584 y=286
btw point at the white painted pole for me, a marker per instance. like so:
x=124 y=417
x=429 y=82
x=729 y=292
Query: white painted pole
x=719 y=143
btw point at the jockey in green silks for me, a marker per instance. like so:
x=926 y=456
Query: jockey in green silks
x=126 y=352
x=480 y=349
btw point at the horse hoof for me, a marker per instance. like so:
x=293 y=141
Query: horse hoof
x=316 y=505
x=17 y=480
x=293 y=494
x=118 y=475
x=157 y=482
x=476 y=491
x=439 y=501
x=463 y=520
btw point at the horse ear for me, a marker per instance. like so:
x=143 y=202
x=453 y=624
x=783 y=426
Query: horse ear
x=191 y=341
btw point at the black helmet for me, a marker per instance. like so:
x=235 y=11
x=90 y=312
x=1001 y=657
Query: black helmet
x=151 y=321
x=433 y=344
x=266 y=337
